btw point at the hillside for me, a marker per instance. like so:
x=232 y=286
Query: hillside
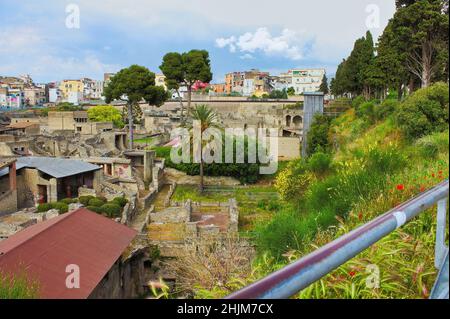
x=371 y=159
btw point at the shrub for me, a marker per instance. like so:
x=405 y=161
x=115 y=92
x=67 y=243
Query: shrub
x=425 y=111
x=357 y=101
x=85 y=200
x=68 y=201
x=281 y=234
x=62 y=207
x=367 y=111
x=274 y=206
x=94 y=209
x=121 y=201
x=262 y=204
x=246 y=173
x=42 y=208
x=320 y=163
x=112 y=210
x=294 y=180
x=428 y=149
x=385 y=109
x=97 y=202
x=318 y=134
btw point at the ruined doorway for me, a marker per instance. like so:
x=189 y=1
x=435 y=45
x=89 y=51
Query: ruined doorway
x=42 y=194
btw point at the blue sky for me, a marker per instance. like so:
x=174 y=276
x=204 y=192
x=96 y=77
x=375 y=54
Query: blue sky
x=273 y=36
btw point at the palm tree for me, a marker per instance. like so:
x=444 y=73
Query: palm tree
x=208 y=119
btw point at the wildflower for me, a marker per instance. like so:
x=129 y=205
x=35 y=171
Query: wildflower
x=433 y=175
x=400 y=187
x=422 y=189
x=352 y=273
x=360 y=216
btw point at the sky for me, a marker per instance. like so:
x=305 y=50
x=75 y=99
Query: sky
x=56 y=39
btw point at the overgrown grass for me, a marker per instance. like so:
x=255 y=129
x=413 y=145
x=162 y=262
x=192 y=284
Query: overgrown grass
x=17 y=287
x=375 y=168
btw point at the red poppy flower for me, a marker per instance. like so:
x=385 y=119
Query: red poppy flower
x=422 y=189
x=434 y=175
x=360 y=216
x=352 y=274
x=400 y=187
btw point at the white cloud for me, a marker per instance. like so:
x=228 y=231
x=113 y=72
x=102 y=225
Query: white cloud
x=247 y=56
x=222 y=43
x=24 y=51
x=17 y=40
x=287 y=44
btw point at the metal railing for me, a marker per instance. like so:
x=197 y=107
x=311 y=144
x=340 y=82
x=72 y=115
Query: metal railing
x=295 y=277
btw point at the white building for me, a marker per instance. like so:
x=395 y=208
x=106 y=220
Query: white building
x=306 y=80
x=249 y=87
x=75 y=97
x=54 y=95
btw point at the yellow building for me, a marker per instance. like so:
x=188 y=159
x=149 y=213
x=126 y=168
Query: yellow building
x=70 y=86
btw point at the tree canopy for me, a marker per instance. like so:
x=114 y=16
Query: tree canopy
x=106 y=113
x=134 y=85
x=412 y=52
x=184 y=69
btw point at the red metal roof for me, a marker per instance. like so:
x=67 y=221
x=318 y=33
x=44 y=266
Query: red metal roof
x=81 y=237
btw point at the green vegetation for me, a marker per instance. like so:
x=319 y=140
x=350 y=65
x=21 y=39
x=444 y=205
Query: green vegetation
x=63 y=207
x=324 y=85
x=184 y=69
x=412 y=52
x=17 y=287
x=106 y=113
x=100 y=205
x=137 y=83
x=61 y=107
x=375 y=166
x=424 y=112
x=146 y=141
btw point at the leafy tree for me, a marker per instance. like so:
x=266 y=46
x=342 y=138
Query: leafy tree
x=186 y=69
x=106 y=113
x=324 y=85
x=173 y=69
x=208 y=119
x=134 y=85
x=278 y=94
x=291 y=91
x=420 y=31
x=318 y=134
x=425 y=111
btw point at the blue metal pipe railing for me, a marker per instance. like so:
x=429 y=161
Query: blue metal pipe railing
x=293 y=278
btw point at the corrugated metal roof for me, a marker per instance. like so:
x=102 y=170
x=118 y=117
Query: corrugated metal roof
x=81 y=237
x=5 y=171
x=57 y=167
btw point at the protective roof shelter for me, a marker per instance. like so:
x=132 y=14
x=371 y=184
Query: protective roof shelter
x=47 y=252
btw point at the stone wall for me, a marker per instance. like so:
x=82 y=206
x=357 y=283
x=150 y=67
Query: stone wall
x=8 y=202
x=125 y=279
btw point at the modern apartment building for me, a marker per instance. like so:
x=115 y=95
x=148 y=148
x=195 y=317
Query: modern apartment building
x=306 y=80
x=69 y=88
x=248 y=83
x=35 y=96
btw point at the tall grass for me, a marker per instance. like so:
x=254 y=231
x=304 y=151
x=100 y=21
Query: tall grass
x=17 y=287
